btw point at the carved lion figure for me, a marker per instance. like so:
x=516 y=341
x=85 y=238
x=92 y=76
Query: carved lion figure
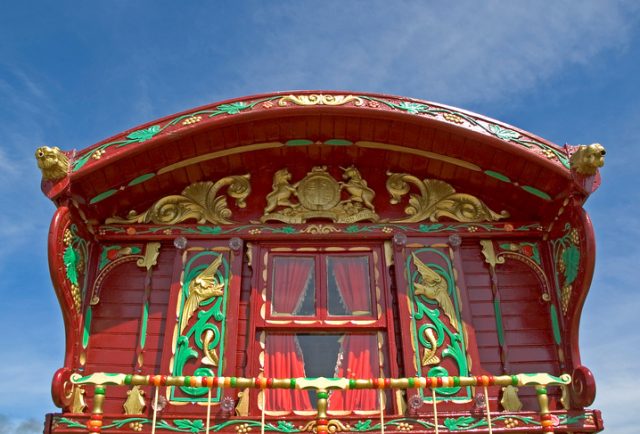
x=53 y=163
x=588 y=158
x=282 y=191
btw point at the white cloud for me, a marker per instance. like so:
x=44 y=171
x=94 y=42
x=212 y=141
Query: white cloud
x=465 y=52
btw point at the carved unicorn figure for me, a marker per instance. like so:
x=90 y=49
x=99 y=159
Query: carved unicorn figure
x=357 y=187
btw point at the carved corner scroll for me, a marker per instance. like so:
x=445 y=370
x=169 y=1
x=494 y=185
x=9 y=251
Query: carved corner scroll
x=199 y=201
x=320 y=196
x=437 y=199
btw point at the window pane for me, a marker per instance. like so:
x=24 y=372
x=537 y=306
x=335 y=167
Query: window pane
x=325 y=355
x=348 y=286
x=293 y=286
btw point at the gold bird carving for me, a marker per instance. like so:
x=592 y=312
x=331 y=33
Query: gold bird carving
x=434 y=287
x=201 y=288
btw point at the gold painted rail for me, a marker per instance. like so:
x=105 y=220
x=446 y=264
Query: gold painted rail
x=322 y=386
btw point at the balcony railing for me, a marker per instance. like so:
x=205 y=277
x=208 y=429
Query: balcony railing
x=321 y=424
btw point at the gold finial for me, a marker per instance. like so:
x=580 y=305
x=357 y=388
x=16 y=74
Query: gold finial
x=53 y=163
x=588 y=158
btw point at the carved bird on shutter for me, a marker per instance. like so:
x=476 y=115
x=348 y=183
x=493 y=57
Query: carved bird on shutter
x=201 y=288
x=434 y=287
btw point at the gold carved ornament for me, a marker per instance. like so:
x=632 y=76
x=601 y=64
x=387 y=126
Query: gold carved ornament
x=434 y=287
x=134 y=403
x=588 y=158
x=437 y=199
x=201 y=288
x=320 y=99
x=53 y=163
x=319 y=195
x=199 y=201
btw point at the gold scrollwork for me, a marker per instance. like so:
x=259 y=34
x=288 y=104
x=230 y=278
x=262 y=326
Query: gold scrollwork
x=434 y=287
x=199 y=201
x=320 y=196
x=333 y=425
x=320 y=99
x=320 y=229
x=437 y=199
x=78 y=404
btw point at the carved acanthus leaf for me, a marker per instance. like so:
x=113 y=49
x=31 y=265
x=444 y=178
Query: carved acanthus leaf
x=199 y=201
x=436 y=200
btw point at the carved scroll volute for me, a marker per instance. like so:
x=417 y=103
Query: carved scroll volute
x=199 y=201
x=437 y=199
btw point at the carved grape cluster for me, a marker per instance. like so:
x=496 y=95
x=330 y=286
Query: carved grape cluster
x=136 y=426
x=574 y=236
x=511 y=422
x=97 y=154
x=403 y=426
x=565 y=298
x=243 y=428
x=77 y=299
x=67 y=239
x=453 y=118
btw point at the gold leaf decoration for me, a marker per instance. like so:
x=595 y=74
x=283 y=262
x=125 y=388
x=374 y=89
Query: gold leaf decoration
x=199 y=201
x=510 y=400
x=320 y=99
x=436 y=200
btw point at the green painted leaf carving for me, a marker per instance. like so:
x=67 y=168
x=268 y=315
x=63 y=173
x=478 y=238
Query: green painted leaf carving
x=233 y=108
x=413 y=107
x=144 y=134
x=362 y=425
x=210 y=230
x=191 y=425
x=284 y=426
x=70 y=259
x=503 y=133
x=571 y=258
x=463 y=422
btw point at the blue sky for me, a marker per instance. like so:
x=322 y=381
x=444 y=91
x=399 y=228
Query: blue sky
x=74 y=73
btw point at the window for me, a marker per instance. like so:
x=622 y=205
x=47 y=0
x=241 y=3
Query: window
x=322 y=312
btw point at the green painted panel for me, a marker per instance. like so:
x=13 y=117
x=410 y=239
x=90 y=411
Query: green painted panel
x=299 y=142
x=103 y=196
x=338 y=142
x=555 y=324
x=497 y=175
x=143 y=326
x=140 y=179
x=86 y=330
x=536 y=192
x=499 y=327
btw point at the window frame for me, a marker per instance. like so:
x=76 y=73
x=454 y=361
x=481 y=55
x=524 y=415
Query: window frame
x=380 y=322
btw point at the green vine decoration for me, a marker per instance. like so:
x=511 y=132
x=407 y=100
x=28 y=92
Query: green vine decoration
x=426 y=315
x=75 y=257
x=111 y=253
x=184 y=425
x=190 y=344
x=493 y=129
x=529 y=250
x=145 y=134
x=290 y=230
x=566 y=259
x=462 y=423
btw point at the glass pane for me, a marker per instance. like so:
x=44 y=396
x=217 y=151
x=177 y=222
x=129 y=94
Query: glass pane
x=293 y=286
x=348 y=286
x=325 y=355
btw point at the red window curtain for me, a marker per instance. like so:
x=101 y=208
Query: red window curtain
x=359 y=355
x=283 y=357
